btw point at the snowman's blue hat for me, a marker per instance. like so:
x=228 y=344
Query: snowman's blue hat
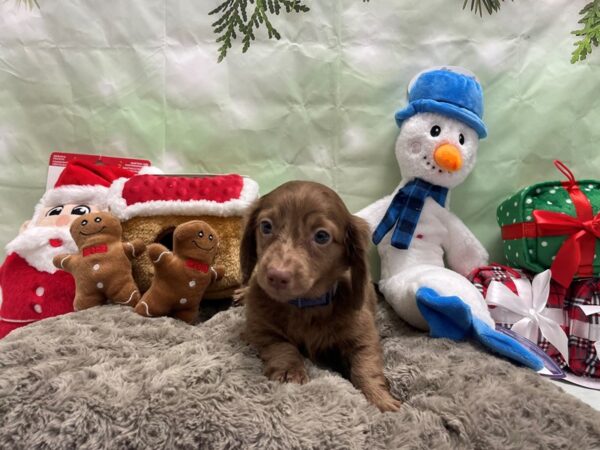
x=442 y=91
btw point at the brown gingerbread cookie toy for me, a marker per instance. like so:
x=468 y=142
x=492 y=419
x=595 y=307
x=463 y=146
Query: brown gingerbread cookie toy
x=181 y=276
x=102 y=268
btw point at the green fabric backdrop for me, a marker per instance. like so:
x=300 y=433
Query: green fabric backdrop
x=140 y=78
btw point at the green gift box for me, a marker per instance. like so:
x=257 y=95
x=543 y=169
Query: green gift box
x=554 y=225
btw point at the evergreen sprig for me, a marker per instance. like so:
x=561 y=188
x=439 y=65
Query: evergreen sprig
x=491 y=6
x=589 y=34
x=243 y=17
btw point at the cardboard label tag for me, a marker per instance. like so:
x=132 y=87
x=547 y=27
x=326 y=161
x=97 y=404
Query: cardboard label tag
x=59 y=160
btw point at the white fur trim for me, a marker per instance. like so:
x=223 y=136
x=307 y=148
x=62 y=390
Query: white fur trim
x=95 y=195
x=71 y=195
x=235 y=207
x=150 y=170
x=32 y=244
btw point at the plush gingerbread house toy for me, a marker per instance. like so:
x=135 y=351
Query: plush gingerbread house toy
x=182 y=276
x=102 y=268
x=151 y=206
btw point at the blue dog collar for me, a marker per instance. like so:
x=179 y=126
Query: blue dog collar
x=323 y=300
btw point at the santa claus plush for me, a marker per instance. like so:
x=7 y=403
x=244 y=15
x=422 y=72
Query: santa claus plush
x=32 y=288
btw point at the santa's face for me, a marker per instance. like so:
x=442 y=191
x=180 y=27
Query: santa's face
x=47 y=235
x=62 y=215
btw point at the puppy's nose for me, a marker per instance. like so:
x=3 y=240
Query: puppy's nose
x=279 y=278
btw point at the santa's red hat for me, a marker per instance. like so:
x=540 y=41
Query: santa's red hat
x=84 y=183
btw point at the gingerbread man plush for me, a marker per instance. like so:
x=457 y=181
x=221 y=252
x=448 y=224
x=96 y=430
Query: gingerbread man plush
x=181 y=276
x=102 y=268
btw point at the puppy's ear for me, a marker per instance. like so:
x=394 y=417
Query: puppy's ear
x=248 y=244
x=357 y=246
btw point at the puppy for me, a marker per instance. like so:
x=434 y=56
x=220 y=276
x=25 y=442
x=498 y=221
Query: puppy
x=304 y=259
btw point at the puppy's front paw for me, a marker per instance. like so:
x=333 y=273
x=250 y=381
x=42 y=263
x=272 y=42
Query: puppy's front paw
x=383 y=400
x=288 y=375
x=239 y=295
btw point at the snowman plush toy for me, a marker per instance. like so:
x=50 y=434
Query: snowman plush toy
x=415 y=232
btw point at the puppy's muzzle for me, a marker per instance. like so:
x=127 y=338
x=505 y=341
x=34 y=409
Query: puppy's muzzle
x=278 y=279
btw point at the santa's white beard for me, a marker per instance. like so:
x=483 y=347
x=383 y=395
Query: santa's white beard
x=33 y=244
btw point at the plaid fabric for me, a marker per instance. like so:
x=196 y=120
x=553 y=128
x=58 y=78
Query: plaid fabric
x=483 y=276
x=584 y=330
x=405 y=210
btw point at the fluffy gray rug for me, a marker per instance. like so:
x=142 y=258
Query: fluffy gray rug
x=108 y=378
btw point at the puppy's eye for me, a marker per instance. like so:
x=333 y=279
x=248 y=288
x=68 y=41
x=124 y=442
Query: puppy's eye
x=80 y=210
x=55 y=211
x=97 y=220
x=435 y=131
x=83 y=223
x=200 y=234
x=210 y=237
x=322 y=237
x=461 y=139
x=266 y=227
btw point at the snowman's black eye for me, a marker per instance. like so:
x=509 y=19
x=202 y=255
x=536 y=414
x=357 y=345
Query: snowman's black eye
x=435 y=131
x=461 y=139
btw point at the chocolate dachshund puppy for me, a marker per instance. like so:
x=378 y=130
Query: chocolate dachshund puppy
x=304 y=260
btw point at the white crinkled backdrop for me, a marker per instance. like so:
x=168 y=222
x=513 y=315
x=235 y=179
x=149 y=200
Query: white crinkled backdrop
x=141 y=78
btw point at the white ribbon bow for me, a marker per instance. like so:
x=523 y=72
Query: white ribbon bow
x=530 y=304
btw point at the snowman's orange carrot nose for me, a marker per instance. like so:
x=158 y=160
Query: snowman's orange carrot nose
x=447 y=156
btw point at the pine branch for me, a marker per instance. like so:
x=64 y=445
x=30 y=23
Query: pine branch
x=491 y=6
x=243 y=17
x=589 y=34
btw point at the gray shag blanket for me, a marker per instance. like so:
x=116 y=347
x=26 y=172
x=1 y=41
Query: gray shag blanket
x=108 y=378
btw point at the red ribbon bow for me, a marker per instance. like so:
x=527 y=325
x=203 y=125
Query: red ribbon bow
x=93 y=249
x=577 y=251
x=197 y=265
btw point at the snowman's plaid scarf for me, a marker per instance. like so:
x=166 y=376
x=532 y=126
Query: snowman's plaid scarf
x=405 y=211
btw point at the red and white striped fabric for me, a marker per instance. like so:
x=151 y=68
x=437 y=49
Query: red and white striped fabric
x=160 y=195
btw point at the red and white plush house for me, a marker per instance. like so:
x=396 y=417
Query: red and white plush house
x=151 y=206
